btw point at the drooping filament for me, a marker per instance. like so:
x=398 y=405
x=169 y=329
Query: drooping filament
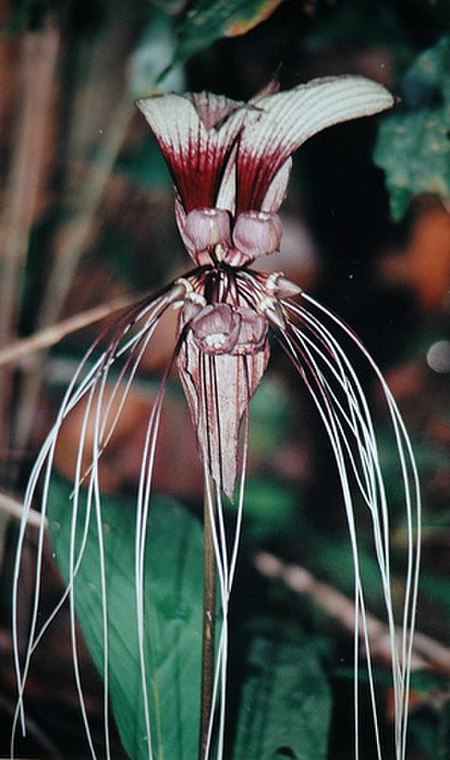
x=221 y=355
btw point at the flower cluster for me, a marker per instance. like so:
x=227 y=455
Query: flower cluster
x=230 y=163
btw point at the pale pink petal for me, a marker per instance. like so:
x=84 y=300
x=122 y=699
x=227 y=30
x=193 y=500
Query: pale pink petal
x=252 y=333
x=205 y=229
x=216 y=329
x=277 y=188
x=278 y=124
x=226 y=197
x=212 y=109
x=199 y=238
x=195 y=152
x=180 y=218
x=257 y=233
x=218 y=390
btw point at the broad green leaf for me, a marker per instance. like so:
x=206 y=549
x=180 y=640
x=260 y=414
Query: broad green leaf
x=413 y=144
x=285 y=704
x=209 y=20
x=173 y=583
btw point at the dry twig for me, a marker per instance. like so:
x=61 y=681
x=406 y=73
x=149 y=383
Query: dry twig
x=71 y=247
x=38 y=64
x=427 y=653
x=49 y=336
x=14 y=508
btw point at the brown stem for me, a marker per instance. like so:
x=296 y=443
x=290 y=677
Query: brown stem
x=14 y=508
x=38 y=63
x=427 y=653
x=49 y=336
x=209 y=617
x=69 y=251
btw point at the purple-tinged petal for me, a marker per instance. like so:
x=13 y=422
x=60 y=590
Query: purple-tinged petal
x=215 y=329
x=252 y=334
x=180 y=218
x=204 y=230
x=224 y=329
x=196 y=155
x=277 y=285
x=226 y=196
x=278 y=124
x=257 y=233
x=212 y=109
x=277 y=188
x=218 y=389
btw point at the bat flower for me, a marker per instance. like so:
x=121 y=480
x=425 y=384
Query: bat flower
x=230 y=163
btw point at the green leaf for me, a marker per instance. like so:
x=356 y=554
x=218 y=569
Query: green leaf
x=413 y=144
x=173 y=583
x=210 y=20
x=285 y=704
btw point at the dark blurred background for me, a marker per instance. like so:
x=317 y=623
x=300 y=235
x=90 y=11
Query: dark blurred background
x=87 y=218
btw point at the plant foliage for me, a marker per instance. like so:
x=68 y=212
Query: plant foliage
x=172 y=614
x=413 y=145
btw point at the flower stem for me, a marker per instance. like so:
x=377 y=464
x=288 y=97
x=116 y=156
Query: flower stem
x=209 y=618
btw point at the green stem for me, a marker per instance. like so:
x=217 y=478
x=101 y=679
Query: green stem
x=209 y=618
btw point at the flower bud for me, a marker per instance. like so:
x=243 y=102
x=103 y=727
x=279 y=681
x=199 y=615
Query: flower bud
x=257 y=233
x=279 y=286
x=205 y=228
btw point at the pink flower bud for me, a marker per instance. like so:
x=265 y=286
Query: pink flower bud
x=279 y=286
x=205 y=228
x=257 y=233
